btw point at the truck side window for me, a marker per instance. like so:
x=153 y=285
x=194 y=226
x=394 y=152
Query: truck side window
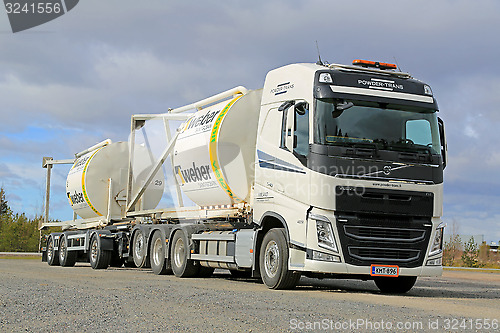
x=419 y=132
x=301 y=131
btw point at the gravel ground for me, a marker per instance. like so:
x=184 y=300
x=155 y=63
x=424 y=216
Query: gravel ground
x=37 y=298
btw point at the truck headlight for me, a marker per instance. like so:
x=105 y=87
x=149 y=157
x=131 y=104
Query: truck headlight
x=437 y=243
x=325 y=235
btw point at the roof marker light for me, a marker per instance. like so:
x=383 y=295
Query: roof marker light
x=376 y=64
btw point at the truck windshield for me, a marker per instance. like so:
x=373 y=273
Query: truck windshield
x=382 y=126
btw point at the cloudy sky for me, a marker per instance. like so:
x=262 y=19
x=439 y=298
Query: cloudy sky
x=75 y=81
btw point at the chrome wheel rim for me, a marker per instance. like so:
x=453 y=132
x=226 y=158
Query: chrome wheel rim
x=50 y=250
x=138 y=246
x=271 y=259
x=179 y=252
x=62 y=249
x=93 y=251
x=158 y=252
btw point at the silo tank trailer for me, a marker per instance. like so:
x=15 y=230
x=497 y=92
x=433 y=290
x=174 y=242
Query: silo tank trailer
x=328 y=171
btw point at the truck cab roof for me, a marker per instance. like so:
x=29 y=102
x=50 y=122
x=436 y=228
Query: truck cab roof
x=351 y=82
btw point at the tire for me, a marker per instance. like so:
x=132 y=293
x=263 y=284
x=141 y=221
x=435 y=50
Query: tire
x=99 y=258
x=181 y=265
x=66 y=258
x=395 y=285
x=52 y=254
x=157 y=255
x=139 y=249
x=273 y=261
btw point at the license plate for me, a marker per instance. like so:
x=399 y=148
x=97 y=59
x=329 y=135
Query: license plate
x=384 y=270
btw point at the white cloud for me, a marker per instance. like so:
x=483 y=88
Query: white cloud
x=471 y=132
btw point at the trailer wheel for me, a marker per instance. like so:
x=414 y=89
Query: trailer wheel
x=52 y=255
x=139 y=249
x=395 y=285
x=181 y=265
x=99 y=258
x=66 y=258
x=159 y=263
x=273 y=260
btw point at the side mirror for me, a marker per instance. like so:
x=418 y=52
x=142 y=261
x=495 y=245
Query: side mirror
x=442 y=140
x=343 y=106
x=284 y=121
x=301 y=108
x=285 y=106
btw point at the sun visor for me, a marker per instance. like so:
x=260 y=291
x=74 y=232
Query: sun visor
x=369 y=87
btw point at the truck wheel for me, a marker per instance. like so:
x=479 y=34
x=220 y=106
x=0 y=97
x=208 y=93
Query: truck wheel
x=181 y=265
x=395 y=285
x=139 y=250
x=52 y=255
x=159 y=264
x=66 y=258
x=99 y=258
x=273 y=261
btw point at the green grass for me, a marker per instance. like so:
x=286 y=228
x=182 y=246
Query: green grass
x=21 y=257
x=464 y=269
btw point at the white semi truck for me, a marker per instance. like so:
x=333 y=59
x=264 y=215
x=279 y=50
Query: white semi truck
x=329 y=171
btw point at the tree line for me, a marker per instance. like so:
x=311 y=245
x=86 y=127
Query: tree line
x=18 y=233
x=467 y=253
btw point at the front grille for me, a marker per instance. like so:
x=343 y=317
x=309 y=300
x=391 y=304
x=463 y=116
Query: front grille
x=367 y=241
x=384 y=234
x=379 y=231
x=386 y=254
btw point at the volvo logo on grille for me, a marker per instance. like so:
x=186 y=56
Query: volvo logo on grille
x=387 y=170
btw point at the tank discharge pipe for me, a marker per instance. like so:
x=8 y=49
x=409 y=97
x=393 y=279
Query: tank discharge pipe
x=240 y=90
x=94 y=147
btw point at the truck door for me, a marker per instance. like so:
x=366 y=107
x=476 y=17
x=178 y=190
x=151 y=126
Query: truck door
x=282 y=149
x=282 y=178
x=291 y=175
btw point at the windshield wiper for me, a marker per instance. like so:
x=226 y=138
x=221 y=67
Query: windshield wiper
x=360 y=148
x=408 y=146
x=382 y=142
